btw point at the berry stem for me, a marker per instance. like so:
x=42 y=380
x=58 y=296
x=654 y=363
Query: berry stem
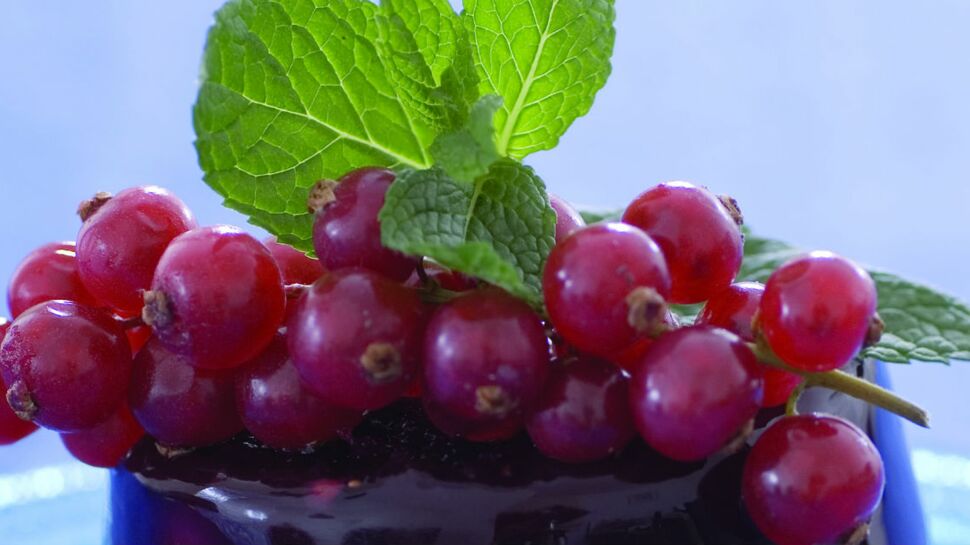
x=850 y=385
x=791 y=406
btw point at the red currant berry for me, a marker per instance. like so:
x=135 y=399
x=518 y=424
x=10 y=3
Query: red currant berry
x=733 y=309
x=356 y=338
x=180 y=405
x=816 y=311
x=47 y=273
x=217 y=297
x=568 y=220
x=106 y=444
x=347 y=233
x=630 y=357
x=443 y=277
x=812 y=479
x=66 y=365
x=296 y=266
x=12 y=427
x=605 y=287
x=122 y=240
x=698 y=235
x=693 y=392
x=137 y=337
x=584 y=412
x=279 y=410
x=779 y=386
x=486 y=360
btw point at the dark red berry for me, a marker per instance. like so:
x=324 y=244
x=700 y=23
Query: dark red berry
x=179 y=404
x=295 y=266
x=279 y=410
x=347 y=233
x=812 y=479
x=66 y=366
x=12 y=427
x=629 y=357
x=217 y=297
x=486 y=360
x=584 y=412
x=137 y=337
x=48 y=273
x=605 y=287
x=568 y=220
x=106 y=444
x=816 y=311
x=694 y=391
x=121 y=242
x=697 y=233
x=356 y=338
x=734 y=309
x=443 y=277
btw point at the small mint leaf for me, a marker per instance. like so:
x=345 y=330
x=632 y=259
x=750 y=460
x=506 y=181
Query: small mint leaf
x=546 y=58
x=921 y=324
x=467 y=153
x=600 y=216
x=499 y=228
x=293 y=92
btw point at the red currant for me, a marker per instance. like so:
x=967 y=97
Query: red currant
x=443 y=277
x=106 y=444
x=698 y=235
x=812 y=479
x=66 y=365
x=695 y=389
x=296 y=266
x=816 y=311
x=605 y=287
x=12 y=427
x=568 y=219
x=47 y=273
x=734 y=309
x=584 y=412
x=279 y=410
x=217 y=297
x=121 y=242
x=347 y=233
x=180 y=405
x=356 y=338
x=486 y=358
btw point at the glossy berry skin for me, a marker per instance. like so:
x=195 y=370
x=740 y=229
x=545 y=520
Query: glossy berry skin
x=486 y=360
x=568 y=220
x=106 y=444
x=120 y=244
x=12 y=428
x=66 y=365
x=180 y=405
x=347 y=233
x=217 y=297
x=48 y=273
x=694 y=391
x=295 y=266
x=279 y=410
x=816 y=311
x=589 y=281
x=700 y=239
x=584 y=412
x=811 y=479
x=734 y=309
x=356 y=338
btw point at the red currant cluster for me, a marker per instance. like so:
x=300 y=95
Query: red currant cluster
x=152 y=324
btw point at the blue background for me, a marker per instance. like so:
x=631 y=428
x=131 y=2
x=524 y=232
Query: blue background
x=837 y=125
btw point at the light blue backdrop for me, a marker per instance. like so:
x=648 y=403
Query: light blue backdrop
x=838 y=125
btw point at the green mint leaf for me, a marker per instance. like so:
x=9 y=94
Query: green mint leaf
x=466 y=153
x=499 y=228
x=921 y=324
x=295 y=91
x=546 y=58
x=600 y=216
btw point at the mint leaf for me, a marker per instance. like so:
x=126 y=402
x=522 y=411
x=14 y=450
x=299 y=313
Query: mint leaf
x=294 y=91
x=467 y=153
x=921 y=324
x=546 y=58
x=499 y=228
x=600 y=216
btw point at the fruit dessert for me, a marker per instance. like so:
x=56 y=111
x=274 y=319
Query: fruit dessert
x=432 y=348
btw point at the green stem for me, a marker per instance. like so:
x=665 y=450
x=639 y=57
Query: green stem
x=849 y=385
x=791 y=406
